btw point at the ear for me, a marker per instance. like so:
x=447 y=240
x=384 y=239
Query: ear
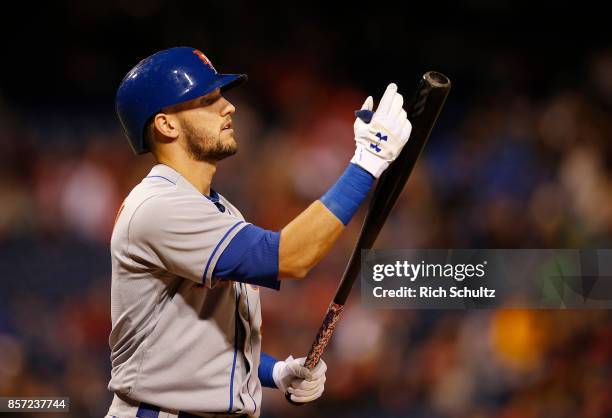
x=167 y=125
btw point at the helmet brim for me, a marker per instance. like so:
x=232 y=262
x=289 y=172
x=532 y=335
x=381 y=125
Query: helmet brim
x=229 y=81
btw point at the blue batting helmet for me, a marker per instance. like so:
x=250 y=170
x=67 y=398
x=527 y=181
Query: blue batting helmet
x=165 y=78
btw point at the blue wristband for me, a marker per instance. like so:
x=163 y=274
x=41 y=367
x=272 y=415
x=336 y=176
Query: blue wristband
x=345 y=196
x=265 y=371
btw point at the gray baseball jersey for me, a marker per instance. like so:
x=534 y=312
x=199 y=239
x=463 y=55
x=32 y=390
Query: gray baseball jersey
x=181 y=339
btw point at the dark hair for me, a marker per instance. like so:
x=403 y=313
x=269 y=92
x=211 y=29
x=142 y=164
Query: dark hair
x=148 y=134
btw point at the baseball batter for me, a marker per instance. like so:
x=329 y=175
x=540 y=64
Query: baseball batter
x=186 y=265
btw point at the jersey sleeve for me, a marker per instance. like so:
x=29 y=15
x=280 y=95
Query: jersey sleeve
x=181 y=234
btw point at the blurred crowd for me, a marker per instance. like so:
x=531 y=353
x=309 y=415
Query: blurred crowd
x=503 y=169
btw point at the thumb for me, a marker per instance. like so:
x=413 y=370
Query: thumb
x=368 y=104
x=298 y=370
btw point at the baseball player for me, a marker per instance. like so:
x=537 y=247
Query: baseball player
x=186 y=266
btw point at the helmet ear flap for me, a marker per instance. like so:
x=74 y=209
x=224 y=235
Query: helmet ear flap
x=163 y=79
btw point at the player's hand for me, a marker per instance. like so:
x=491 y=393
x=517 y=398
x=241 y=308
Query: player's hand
x=380 y=141
x=302 y=384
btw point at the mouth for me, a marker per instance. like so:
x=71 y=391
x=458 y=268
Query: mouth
x=227 y=125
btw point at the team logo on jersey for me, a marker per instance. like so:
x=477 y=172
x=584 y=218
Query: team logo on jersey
x=204 y=59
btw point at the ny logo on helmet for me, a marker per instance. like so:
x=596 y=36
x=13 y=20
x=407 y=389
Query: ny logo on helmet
x=204 y=59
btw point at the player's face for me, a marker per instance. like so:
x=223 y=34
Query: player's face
x=207 y=127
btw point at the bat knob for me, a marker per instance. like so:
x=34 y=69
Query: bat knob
x=364 y=114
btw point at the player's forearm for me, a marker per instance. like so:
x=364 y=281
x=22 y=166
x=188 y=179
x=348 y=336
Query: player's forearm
x=306 y=239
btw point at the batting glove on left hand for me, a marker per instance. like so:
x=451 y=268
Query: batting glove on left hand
x=380 y=141
x=302 y=384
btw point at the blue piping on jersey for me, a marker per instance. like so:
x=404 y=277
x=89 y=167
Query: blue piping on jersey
x=162 y=177
x=215 y=250
x=246 y=295
x=236 y=318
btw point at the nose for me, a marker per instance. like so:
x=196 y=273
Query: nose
x=228 y=107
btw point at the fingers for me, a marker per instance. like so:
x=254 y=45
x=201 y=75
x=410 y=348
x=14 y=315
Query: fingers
x=307 y=398
x=396 y=105
x=303 y=384
x=319 y=370
x=301 y=393
x=298 y=370
x=387 y=99
x=404 y=124
x=301 y=388
x=302 y=372
x=368 y=104
x=406 y=130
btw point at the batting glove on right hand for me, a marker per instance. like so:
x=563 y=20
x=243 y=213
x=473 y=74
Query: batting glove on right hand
x=302 y=384
x=381 y=141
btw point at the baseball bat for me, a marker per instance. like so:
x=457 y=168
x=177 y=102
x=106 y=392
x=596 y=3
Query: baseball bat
x=423 y=112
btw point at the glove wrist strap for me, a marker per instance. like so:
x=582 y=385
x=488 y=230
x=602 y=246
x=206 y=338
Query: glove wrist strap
x=369 y=162
x=276 y=373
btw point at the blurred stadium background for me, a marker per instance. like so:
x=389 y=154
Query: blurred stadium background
x=521 y=158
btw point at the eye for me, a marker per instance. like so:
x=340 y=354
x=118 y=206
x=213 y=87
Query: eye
x=209 y=100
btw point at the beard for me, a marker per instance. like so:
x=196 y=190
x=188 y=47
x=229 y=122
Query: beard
x=204 y=146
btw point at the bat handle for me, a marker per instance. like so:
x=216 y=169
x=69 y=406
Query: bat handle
x=321 y=340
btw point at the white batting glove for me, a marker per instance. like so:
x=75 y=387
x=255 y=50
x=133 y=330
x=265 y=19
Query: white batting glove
x=380 y=141
x=304 y=385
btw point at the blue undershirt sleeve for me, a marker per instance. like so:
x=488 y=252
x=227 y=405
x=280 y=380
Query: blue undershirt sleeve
x=251 y=257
